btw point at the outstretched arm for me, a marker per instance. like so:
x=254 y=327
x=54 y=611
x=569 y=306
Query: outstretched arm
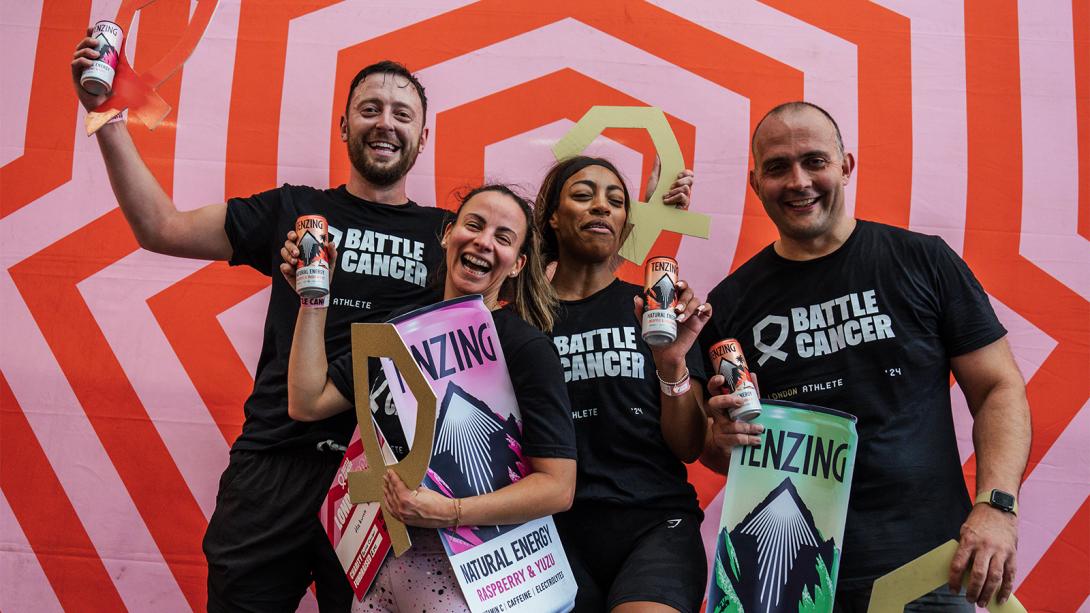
x=996 y=394
x=157 y=223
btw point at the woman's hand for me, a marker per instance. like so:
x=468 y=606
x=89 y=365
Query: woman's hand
x=683 y=422
x=421 y=507
x=680 y=190
x=692 y=315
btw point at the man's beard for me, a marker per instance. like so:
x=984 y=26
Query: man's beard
x=380 y=175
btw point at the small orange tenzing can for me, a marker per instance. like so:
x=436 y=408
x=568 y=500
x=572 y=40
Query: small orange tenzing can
x=660 y=298
x=727 y=360
x=312 y=269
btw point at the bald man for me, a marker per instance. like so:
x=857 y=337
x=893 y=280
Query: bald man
x=871 y=320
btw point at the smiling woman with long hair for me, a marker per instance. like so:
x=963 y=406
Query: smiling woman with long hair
x=492 y=248
x=633 y=533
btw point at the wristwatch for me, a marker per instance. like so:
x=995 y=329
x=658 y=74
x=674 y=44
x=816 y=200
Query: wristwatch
x=1004 y=501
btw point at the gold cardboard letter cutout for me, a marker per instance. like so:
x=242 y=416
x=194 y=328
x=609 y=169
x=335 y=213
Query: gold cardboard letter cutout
x=921 y=576
x=649 y=218
x=382 y=340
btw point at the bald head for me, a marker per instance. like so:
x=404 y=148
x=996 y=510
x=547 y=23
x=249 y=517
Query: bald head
x=800 y=173
x=797 y=106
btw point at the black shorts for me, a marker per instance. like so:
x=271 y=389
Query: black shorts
x=265 y=544
x=621 y=554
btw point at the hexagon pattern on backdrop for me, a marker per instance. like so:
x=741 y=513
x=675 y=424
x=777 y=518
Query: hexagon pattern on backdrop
x=124 y=372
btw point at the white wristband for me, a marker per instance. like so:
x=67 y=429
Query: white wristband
x=675 y=388
x=314 y=303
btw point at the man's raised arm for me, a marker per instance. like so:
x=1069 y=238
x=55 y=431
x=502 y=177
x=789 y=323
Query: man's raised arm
x=157 y=223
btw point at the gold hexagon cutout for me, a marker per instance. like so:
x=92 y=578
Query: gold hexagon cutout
x=923 y=575
x=648 y=219
x=383 y=341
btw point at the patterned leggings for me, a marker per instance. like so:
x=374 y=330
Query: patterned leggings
x=420 y=581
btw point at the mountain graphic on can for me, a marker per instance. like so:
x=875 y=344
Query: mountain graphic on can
x=310 y=247
x=660 y=298
x=312 y=268
x=727 y=360
x=662 y=292
x=784 y=507
x=108 y=51
x=778 y=538
x=98 y=78
x=471 y=443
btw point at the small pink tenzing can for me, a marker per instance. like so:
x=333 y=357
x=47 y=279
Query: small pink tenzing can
x=98 y=78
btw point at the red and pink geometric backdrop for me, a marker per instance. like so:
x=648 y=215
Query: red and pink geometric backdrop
x=124 y=372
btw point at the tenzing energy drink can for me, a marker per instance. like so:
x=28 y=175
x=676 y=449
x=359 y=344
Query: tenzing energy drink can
x=781 y=532
x=727 y=360
x=660 y=298
x=98 y=78
x=312 y=269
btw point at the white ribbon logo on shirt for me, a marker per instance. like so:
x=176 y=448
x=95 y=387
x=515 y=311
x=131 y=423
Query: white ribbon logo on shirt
x=773 y=350
x=335 y=236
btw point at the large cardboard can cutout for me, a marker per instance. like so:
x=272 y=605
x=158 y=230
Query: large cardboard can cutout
x=782 y=528
x=477 y=449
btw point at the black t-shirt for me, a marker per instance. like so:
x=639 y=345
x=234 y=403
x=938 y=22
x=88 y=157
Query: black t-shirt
x=616 y=404
x=870 y=329
x=386 y=255
x=532 y=364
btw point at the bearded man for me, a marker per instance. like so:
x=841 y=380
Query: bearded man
x=264 y=544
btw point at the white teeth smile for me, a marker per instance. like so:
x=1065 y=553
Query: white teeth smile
x=383 y=146
x=475 y=264
x=799 y=204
